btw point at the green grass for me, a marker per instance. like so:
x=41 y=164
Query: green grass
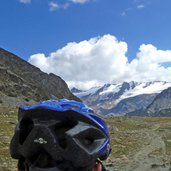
x=125 y=137
x=7 y=124
x=128 y=135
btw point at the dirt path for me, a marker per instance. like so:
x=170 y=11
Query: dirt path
x=145 y=160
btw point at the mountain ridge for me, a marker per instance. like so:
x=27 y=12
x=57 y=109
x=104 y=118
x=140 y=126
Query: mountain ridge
x=122 y=98
x=161 y=105
x=23 y=83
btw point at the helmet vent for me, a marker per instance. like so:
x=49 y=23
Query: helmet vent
x=88 y=141
x=25 y=126
x=60 y=130
x=42 y=160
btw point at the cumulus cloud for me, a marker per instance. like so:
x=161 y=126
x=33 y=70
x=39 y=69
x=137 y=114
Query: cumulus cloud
x=149 y=64
x=103 y=59
x=25 y=1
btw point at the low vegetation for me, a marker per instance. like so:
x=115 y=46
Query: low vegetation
x=7 y=125
x=140 y=143
x=137 y=143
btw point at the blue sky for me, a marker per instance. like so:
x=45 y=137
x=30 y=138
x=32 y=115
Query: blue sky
x=30 y=27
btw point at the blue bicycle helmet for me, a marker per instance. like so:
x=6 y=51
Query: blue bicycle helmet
x=62 y=135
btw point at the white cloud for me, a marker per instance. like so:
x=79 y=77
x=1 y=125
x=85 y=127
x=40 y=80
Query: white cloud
x=79 y=1
x=95 y=60
x=25 y=1
x=124 y=13
x=65 y=6
x=53 y=6
x=140 y=6
x=103 y=59
x=147 y=66
x=137 y=7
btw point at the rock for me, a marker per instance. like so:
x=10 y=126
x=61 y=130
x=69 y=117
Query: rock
x=23 y=83
x=161 y=105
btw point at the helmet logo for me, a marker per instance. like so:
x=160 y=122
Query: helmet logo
x=40 y=141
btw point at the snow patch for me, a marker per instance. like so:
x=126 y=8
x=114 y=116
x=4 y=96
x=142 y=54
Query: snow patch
x=145 y=88
x=111 y=89
x=87 y=93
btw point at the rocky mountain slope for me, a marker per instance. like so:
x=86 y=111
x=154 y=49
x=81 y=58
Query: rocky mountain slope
x=161 y=105
x=23 y=83
x=122 y=98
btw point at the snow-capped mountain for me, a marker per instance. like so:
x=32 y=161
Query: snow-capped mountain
x=122 y=98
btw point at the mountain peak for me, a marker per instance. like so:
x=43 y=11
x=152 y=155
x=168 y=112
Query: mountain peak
x=122 y=97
